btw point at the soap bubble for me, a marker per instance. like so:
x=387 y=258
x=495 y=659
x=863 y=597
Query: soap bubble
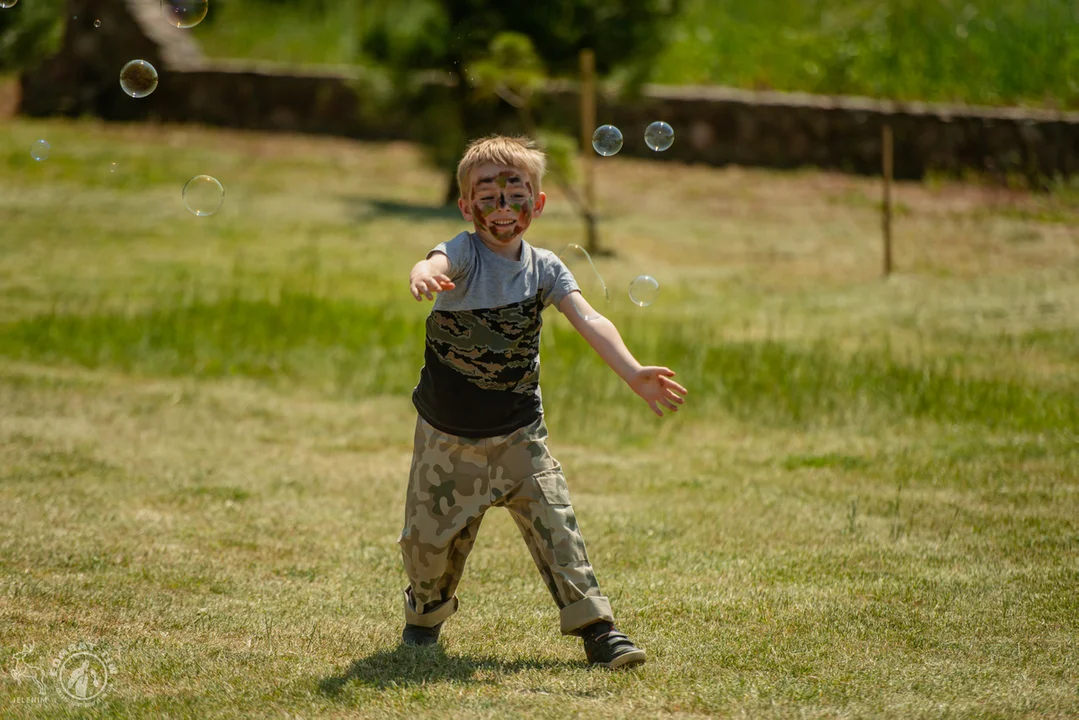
x=607 y=140
x=643 y=290
x=138 y=78
x=659 y=136
x=39 y=150
x=203 y=195
x=591 y=284
x=97 y=23
x=8 y=3
x=184 y=13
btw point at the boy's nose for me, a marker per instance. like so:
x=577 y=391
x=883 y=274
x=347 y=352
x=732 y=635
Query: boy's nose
x=502 y=200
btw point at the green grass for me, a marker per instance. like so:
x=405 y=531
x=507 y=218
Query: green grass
x=298 y=33
x=867 y=506
x=355 y=351
x=995 y=52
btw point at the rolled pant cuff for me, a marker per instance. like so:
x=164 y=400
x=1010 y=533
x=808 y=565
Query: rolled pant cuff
x=432 y=617
x=585 y=611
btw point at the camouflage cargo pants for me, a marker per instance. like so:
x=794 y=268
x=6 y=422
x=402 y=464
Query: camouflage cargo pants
x=452 y=483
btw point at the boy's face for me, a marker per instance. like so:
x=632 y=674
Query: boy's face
x=501 y=203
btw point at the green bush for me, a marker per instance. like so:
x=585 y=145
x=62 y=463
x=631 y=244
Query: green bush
x=30 y=32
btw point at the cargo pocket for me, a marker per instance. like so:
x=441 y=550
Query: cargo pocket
x=556 y=523
x=552 y=483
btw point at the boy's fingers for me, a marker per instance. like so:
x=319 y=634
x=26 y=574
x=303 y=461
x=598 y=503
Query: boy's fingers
x=676 y=386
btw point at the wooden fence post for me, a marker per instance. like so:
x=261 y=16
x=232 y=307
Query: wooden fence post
x=588 y=126
x=887 y=150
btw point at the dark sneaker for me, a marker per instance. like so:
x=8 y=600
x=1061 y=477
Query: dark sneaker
x=607 y=647
x=417 y=635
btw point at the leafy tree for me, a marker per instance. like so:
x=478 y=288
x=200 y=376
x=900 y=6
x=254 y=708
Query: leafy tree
x=30 y=32
x=502 y=50
x=513 y=72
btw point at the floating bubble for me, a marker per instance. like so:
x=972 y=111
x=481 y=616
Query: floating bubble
x=97 y=23
x=203 y=195
x=39 y=150
x=113 y=167
x=591 y=284
x=8 y=3
x=659 y=136
x=643 y=290
x=138 y=78
x=607 y=140
x=184 y=13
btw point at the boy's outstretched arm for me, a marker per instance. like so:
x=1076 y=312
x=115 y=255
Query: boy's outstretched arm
x=430 y=275
x=652 y=383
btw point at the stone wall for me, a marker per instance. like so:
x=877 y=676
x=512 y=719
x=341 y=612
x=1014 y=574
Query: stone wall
x=717 y=126
x=786 y=130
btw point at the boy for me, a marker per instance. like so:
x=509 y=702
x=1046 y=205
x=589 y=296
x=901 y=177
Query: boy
x=480 y=439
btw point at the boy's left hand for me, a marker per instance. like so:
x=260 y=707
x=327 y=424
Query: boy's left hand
x=655 y=387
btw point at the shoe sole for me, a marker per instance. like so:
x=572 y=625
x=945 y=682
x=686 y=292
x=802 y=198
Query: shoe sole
x=419 y=644
x=627 y=660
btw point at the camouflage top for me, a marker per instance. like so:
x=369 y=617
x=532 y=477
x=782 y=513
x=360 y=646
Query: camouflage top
x=481 y=363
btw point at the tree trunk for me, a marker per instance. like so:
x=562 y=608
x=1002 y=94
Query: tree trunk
x=451 y=189
x=462 y=93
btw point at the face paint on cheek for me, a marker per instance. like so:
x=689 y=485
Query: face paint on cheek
x=480 y=214
x=524 y=217
x=524 y=211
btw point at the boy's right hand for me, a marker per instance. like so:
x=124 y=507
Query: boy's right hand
x=424 y=281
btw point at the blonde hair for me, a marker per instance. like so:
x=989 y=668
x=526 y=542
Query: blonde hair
x=522 y=153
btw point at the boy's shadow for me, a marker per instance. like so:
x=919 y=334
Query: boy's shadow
x=406 y=665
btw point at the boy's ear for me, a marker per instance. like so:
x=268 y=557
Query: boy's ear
x=541 y=201
x=466 y=211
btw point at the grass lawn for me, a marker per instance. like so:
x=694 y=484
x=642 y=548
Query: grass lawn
x=869 y=505
x=990 y=52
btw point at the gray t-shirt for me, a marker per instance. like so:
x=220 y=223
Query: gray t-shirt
x=481 y=362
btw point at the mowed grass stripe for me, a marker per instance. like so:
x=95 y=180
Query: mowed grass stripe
x=355 y=350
